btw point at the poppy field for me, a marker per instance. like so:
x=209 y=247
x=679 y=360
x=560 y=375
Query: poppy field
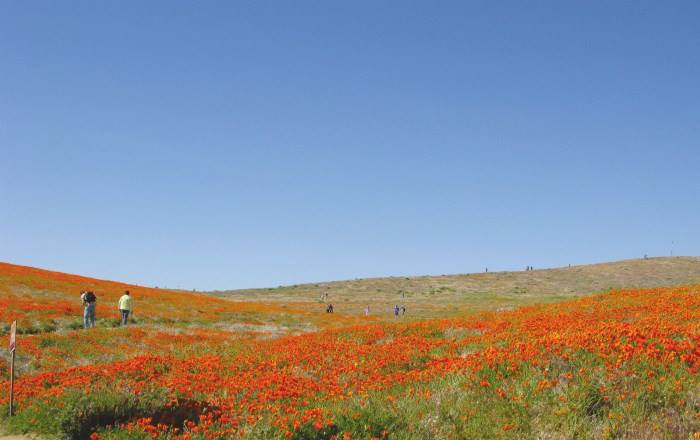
x=622 y=364
x=42 y=301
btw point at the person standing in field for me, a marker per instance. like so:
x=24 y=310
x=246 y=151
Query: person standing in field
x=125 y=307
x=90 y=304
x=396 y=311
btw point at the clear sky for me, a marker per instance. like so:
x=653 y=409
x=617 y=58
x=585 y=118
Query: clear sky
x=238 y=144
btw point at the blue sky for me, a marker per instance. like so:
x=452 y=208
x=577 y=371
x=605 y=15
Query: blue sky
x=238 y=144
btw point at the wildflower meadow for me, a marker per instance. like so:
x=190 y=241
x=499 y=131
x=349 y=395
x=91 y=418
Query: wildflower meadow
x=622 y=364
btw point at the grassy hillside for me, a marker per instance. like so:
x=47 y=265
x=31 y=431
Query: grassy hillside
x=623 y=364
x=43 y=300
x=429 y=296
x=46 y=305
x=47 y=302
x=620 y=365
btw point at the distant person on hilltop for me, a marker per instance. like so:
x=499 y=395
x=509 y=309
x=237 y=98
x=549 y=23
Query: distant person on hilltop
x=89 y=301
x=125 y=307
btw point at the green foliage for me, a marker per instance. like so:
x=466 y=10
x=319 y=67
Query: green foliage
x=77 y=324
x=309 y=432
x=30 y=329
x=123 y=434
x=77 y=414
x=371 y=418
x=581 y=400
x=48 y=326
x=47 y=342
x=109 y=323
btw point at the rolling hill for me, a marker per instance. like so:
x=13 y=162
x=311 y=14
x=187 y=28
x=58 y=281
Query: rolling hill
x=432 y=295
x=247 y=364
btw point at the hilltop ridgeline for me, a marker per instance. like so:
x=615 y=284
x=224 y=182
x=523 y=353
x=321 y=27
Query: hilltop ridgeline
x=502 y=287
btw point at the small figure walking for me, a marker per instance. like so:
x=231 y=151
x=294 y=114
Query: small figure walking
x=396 y=311
x=403 y=310
x=367 y=311
x=125 y=307
x=90 y=304
x=329 y=309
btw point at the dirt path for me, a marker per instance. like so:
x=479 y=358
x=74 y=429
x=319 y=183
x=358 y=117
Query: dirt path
x=4 y=436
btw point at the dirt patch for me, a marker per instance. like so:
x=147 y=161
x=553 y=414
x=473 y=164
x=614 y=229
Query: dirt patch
x=17 y=437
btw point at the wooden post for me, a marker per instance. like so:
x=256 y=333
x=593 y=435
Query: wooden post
x=13 y=348
x=12 y=385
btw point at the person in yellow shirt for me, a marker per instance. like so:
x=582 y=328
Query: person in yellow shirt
x=125 y=307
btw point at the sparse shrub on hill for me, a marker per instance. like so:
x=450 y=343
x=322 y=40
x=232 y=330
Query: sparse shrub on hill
x=78 y=324
x=29 y=329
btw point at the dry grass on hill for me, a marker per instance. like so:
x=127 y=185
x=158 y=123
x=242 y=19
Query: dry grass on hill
x=429 y=296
